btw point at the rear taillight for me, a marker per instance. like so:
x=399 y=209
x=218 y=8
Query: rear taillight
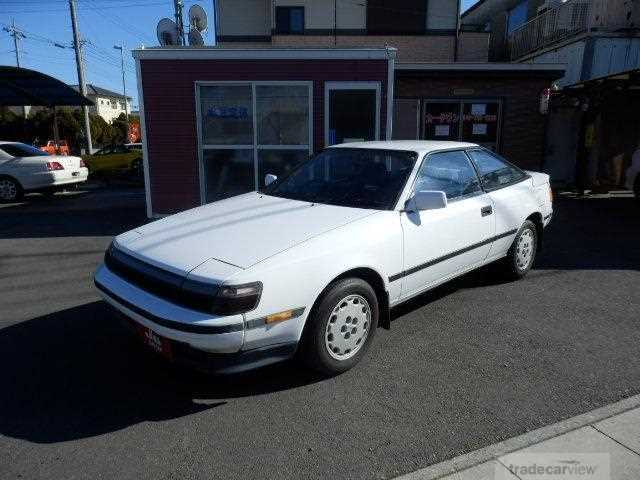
x=82 y=164
x=54 y=166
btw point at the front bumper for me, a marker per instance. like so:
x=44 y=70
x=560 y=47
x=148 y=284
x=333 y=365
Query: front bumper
x=197 y=329
x=220 y=363
x=199 y=341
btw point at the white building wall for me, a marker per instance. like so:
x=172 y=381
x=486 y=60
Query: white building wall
x=318 y=14
x=104 y=108
x=246 y=17
x=442 y=14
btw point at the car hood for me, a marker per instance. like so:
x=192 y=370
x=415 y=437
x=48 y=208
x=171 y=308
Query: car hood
x=240 y=231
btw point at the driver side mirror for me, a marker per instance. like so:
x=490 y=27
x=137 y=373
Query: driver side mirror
x=426 y=200
x=269 y=178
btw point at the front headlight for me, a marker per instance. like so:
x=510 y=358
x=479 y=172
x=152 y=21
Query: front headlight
x=234 y=299
x=223 y=300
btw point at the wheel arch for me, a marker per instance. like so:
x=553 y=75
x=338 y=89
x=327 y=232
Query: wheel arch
x=11 y=177
x=21 y=188
x=373 y=278
x=536 y=219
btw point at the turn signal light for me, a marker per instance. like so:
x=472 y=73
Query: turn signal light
x=54 y=166
x=279 y=317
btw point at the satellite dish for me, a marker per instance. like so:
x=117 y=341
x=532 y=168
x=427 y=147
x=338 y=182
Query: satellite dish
x=195 y=38
x=167 y=31
x=197 y=18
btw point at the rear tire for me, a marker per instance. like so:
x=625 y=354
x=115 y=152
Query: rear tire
x=341 y=327
x=10 y=190
x=522 y=254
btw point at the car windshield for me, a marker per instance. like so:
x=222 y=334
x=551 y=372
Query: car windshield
x=350 y=177
x=22 y=150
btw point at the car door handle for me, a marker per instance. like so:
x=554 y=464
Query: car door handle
x=488 y=210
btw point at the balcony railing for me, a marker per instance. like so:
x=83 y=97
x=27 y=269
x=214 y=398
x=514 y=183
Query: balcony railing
x=562 y=21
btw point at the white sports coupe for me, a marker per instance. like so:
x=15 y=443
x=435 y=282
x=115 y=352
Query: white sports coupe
x=24 y=168
x=312 y=264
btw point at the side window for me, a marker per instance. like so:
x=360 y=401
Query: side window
x=494 y=171
x=448 y=172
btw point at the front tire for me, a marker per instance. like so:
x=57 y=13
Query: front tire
x=341 y=327
x=10 y=190
x=522 y=253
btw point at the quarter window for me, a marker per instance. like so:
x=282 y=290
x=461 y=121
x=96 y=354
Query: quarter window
x=494 y=171
x=448 y=172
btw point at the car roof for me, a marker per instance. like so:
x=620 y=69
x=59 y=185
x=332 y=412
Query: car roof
x=421 y=146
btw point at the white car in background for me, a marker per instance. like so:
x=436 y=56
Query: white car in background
x=313 y=263
x=24 y=168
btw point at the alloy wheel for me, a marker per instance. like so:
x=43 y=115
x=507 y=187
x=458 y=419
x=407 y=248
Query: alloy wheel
x=8 y=189
x=524 y=249
x=348 y=327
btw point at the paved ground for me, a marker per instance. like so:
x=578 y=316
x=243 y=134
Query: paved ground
x=470 y=364
x=601 y=445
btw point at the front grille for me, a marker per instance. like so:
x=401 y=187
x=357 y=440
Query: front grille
x=159 y=282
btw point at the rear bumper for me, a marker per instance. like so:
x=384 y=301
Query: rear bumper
x=58 y=178
x=66 y=177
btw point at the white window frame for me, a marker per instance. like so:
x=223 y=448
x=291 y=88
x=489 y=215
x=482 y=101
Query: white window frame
x=255 y=146
x=328 y=86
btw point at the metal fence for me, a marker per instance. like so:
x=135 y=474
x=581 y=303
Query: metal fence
x=562 y=21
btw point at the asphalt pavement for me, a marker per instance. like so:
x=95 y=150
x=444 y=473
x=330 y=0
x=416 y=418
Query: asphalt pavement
x=467 y=365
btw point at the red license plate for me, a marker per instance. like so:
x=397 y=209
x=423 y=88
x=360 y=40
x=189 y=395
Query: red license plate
x=155 y=342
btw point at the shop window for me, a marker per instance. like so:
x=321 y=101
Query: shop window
x=474 y=121
x=480 y=122
x=226 y=115
x=442 y=120
x=289 y=20
x=227 y=173
x=279 y=162
x=240 y=145
x=282 y=115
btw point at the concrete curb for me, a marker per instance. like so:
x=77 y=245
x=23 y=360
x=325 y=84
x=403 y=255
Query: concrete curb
x=496 y=450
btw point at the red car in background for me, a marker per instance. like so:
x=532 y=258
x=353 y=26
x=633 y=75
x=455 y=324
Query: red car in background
x=62 y=148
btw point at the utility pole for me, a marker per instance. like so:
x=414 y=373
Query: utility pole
x=177 y=5
x=80 y=64
x=124 y=83
x=17 y=36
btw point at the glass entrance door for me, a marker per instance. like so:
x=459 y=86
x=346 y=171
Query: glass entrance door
x=353 y=112
x=474 y=121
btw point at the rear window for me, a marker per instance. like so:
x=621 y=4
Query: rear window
x=22 y=150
